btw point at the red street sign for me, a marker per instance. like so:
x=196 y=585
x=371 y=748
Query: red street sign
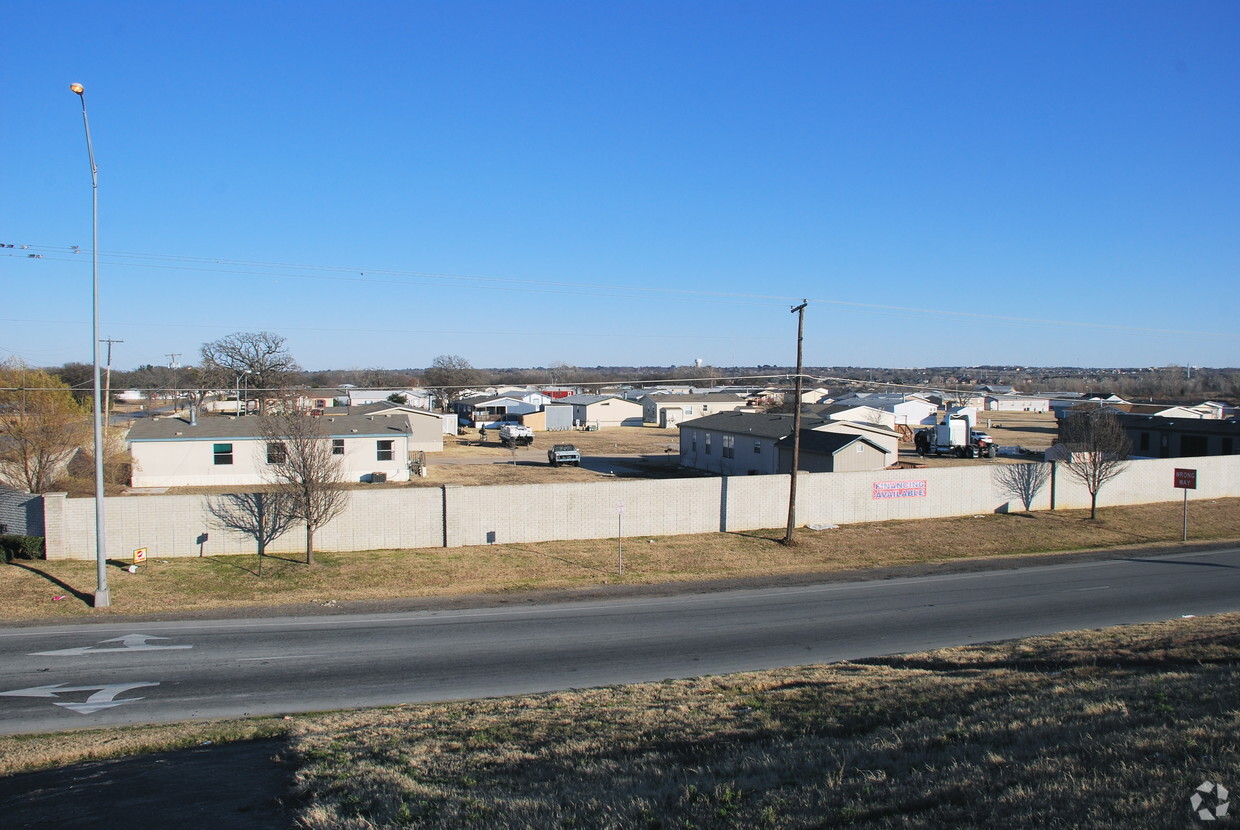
x=1186 y=479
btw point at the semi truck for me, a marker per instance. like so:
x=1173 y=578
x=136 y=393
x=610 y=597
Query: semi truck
x=955 y=436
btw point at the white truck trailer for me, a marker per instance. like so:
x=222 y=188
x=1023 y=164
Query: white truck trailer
x=954 y=437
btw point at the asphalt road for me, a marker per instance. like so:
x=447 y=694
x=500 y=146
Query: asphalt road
x=65 y=677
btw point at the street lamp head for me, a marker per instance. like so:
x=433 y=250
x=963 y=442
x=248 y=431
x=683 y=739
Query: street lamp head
x=77 y=88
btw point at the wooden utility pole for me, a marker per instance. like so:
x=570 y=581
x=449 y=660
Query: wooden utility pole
x=173 y=365
x=789 y=538
x=107 y=391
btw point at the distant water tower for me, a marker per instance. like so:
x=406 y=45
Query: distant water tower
x=697 y=362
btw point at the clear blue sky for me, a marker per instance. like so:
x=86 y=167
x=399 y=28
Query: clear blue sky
x=627 y=182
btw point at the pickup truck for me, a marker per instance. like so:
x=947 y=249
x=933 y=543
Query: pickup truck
x=563 y=454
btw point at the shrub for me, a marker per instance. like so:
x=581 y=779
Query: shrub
x=13 y=547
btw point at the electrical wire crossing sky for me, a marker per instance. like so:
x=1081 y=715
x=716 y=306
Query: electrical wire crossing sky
x=627 y=184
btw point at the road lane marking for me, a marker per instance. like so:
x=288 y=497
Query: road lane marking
x=100 y=700
x=129 y=642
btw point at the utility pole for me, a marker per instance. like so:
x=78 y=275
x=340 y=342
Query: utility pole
x=107 y=389
x=789 y=539
x=173 y=365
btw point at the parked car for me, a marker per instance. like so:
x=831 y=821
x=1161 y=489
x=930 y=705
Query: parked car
x=564 y=454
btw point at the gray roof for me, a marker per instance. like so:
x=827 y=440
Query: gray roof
x=1199 y=426
x=750 y=423
x=827 y=410
x=827 y=443
x=705 y=397
x=880 y=398
x=378 y=407
x=477 y=400
x=217 y=427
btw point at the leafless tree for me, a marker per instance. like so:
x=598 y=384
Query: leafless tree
x=263 y=516
x=300 y=464
x=260 y=355
x=561 y=372
x=1022 y=481
x=41 y=427
x=960 y=396
x=117 y=462
x=156 y=383
x=874 y=417
x=1229 y=384
x=449 y=375
x=1098 y=450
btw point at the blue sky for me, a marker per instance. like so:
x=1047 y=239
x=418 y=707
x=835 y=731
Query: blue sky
x=600 y=183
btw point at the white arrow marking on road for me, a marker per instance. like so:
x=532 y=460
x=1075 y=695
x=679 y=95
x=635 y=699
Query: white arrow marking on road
x=101 y=699
x=130 y=642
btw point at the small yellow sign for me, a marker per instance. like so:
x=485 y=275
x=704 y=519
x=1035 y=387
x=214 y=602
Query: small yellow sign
x=139 y=556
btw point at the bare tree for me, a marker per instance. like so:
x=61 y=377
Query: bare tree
x=1098 y=450
x=960 y=396
x=260 y=355
x=300 y=464
x=41 y=427
x=561 y=372
x=449 y=375
x=263 y=516
x=1022 y=481
x=874 y=417
x=156 y=383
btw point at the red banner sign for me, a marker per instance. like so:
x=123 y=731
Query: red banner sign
x=1186 y=479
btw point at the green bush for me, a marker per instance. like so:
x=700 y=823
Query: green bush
x=13 y=547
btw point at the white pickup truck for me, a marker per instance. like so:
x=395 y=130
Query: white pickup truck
x=564 y=454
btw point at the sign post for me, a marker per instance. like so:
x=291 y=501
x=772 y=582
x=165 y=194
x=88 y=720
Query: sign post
x=1185 y=480
x=620 y=539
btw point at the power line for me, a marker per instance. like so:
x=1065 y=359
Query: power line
x=412 y=278
x=375 y=330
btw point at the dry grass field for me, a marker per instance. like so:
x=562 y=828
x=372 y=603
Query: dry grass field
x=1112 y=728
x=536 y=470
x=230 y=583
x=1107 y=728
x=611 y=441
x=1031 y=430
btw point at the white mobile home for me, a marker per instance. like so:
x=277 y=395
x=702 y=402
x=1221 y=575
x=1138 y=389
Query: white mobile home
x=174 y=452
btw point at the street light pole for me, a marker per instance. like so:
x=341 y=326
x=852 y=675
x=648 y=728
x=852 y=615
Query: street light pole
x=102 y=595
